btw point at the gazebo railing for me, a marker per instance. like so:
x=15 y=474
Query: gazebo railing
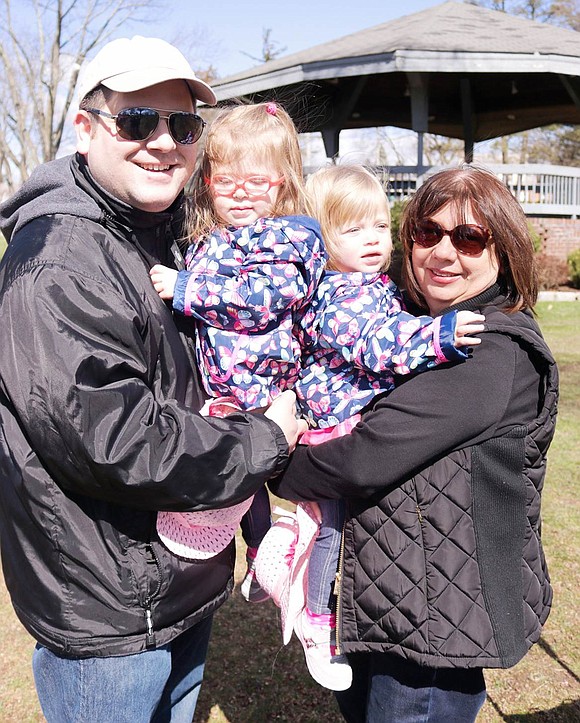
x=543 y=190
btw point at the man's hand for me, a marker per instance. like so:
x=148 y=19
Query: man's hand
x=283 y=412
x=164 y=280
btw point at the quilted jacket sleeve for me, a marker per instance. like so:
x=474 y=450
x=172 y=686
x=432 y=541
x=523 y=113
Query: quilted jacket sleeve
x=421 y=420
x=366 y=324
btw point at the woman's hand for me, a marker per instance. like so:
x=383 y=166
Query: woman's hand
x=468 y=322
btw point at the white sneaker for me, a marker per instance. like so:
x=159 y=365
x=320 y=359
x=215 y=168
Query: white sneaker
x=328 y=669
x=250 y=588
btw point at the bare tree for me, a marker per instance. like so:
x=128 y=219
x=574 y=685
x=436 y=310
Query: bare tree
x=565 y=13
x=557 y=145
x=530 y=145
x=568 y=13
x=270 y=49
x=442 y=151
x=42 y=46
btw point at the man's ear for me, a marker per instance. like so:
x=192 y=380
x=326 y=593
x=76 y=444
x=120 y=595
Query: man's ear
x=83 y=130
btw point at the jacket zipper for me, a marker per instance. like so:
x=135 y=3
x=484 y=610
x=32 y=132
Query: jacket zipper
x=150 y=640
x=419 y=514
x=337 y=586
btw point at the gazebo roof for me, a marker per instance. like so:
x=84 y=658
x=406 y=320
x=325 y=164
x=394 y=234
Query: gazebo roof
x=455 y=69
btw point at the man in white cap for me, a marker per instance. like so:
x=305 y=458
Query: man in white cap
x=98 y=400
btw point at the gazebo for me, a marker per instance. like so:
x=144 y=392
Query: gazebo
x=455 y=69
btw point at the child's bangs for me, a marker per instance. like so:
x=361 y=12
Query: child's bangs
x=246 y=151
x=370 y=204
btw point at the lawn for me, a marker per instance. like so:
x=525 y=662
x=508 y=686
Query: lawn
x=252 y=677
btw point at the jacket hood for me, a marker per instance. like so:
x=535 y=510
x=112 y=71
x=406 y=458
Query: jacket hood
x=66 y=187
x=50 y=189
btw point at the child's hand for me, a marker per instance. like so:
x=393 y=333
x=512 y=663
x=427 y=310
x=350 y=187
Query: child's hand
x=164 y=280
x=468 y=323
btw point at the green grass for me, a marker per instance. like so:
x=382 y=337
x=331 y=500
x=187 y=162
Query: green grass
x=252 y=677
x=545 y=685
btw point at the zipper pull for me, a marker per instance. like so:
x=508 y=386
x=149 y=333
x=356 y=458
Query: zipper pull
x=150 y=641
x=177 y=256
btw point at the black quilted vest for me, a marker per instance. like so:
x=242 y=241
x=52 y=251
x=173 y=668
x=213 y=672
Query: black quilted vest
x=466 y=584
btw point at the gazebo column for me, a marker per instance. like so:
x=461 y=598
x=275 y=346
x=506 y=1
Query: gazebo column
x=467 y=114
x=342 y=107
x=572 y=86
x=330 y=138
x=419 y=89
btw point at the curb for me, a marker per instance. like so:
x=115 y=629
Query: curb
x=559 y=296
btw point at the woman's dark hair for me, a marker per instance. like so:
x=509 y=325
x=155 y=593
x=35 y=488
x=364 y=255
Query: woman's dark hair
x=474 y=189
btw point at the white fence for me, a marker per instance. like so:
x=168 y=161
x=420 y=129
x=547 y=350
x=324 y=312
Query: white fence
x=542 y=190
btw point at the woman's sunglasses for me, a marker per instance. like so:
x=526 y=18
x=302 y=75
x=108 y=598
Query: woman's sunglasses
x=139 y=124
x=468 y=238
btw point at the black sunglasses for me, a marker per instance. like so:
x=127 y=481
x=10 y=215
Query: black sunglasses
x=468 y=238
x=139 y=124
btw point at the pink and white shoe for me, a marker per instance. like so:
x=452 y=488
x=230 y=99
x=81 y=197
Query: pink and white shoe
x=328 y=669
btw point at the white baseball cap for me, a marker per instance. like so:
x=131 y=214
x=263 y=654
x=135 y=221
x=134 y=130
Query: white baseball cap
x=129 y=64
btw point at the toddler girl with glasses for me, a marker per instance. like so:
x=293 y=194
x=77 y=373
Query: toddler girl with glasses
x=355 y=338
x=251 y=272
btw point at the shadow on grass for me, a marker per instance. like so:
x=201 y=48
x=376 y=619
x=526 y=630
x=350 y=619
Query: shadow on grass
x=251 y=677
x=549 y=650
x=565 y=713
x=568 y=712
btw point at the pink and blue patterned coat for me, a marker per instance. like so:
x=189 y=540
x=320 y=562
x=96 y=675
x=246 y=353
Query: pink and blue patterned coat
x=355 y=337
x=248 y=287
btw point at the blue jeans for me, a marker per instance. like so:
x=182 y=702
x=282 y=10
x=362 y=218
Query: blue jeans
x=157 y=686
x=323 y=560
x=388 y=689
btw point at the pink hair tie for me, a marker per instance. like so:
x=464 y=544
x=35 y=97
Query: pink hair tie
x=271 y=108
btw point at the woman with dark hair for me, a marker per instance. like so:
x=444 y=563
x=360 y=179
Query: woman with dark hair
x=443 y=572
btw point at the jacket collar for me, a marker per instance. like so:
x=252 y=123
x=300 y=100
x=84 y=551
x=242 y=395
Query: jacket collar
x=493 y=294
x=118 y=211
x=155 y=235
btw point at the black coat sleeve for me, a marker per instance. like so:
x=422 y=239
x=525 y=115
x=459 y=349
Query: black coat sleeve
x=93 y=397
x=421 y=420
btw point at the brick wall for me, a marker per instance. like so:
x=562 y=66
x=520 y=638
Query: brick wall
x=559 y=236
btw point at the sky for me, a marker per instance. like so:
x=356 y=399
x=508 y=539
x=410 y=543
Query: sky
x=228 y=35
x=224 y=33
